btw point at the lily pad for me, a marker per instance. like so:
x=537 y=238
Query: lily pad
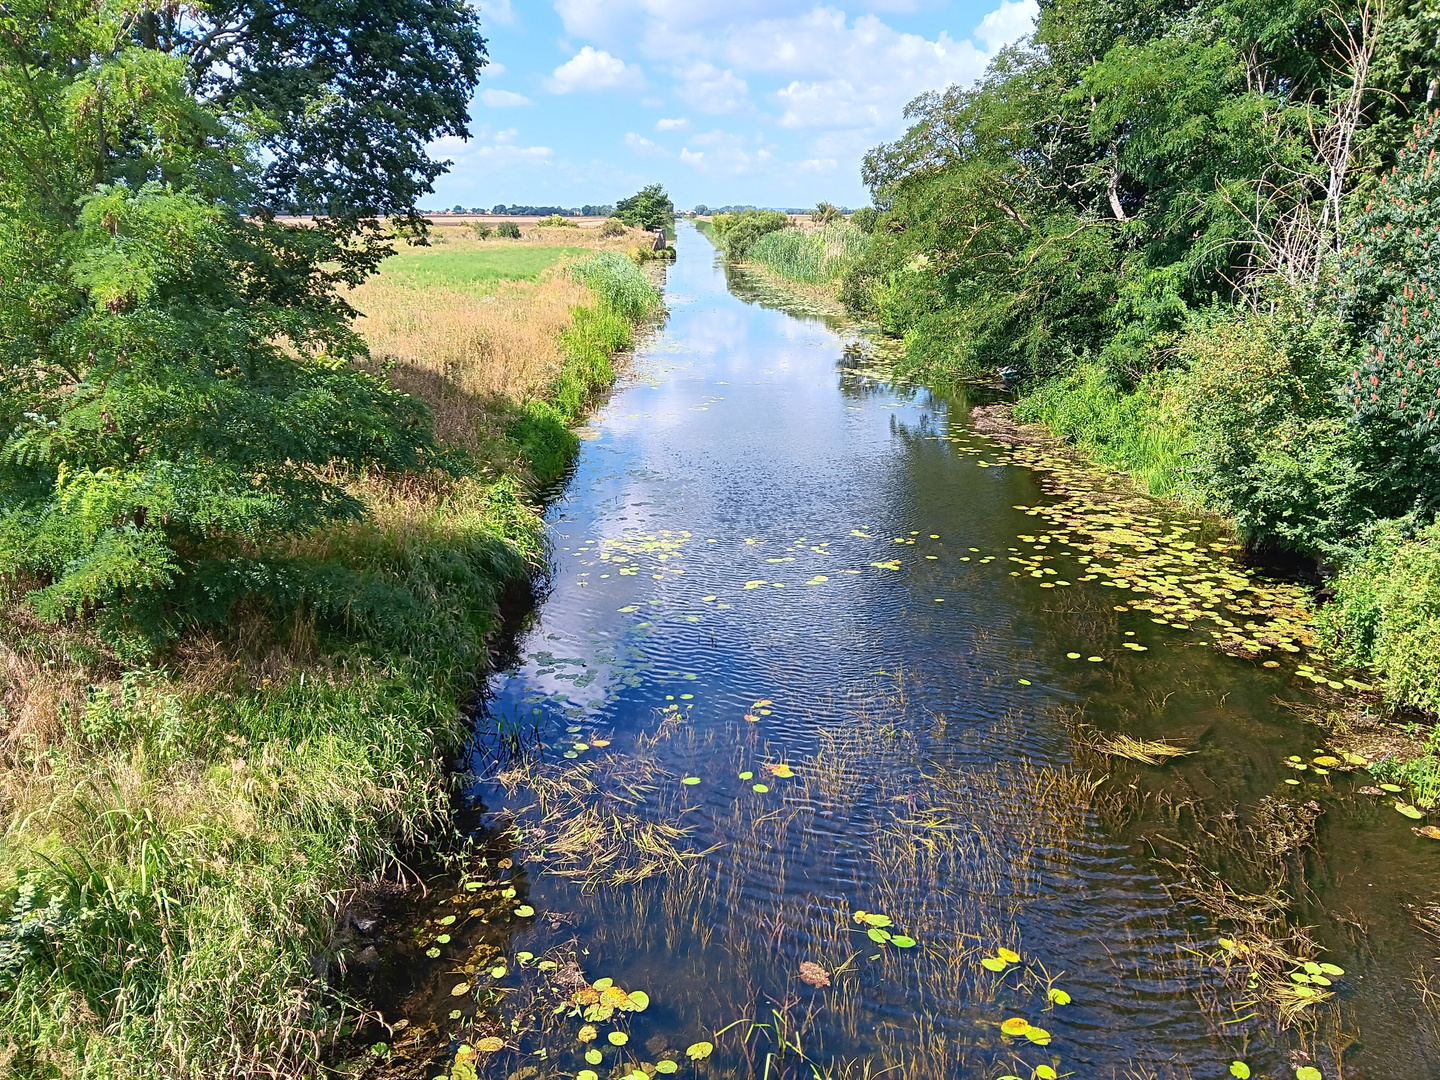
x=762 y=788
x=588 y=1033
x=594 y=1057
x=699 y=1051
x=618 y=1038
x=1408 y=810
x=993 y=963
x=1008 y=955
x=1038 y=1036
x=1240 y=1070
x=747 y=775
x=690 y=781
x=524 y=911
x=880 y=937
x=587 y=1074
x=1044 y=1072
x=636 y=1001
x=1059 y=997
x=1016 y=1025
x=432 y=952
x=1308 y=1072
x=490 y=1044
x=903 y=942
x=666 y=1067
x=460 y=988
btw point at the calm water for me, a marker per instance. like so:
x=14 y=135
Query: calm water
x=723 y=599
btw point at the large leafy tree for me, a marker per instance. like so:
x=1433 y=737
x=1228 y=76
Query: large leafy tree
x=179 y=385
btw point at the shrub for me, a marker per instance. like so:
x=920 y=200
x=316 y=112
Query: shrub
x=865 y=219
x=735 y=233
x=612 y=227
x=825 y=213
x=1392 y=283
x=1271 y=443
x=508 y=229
x=482 y=231
x=1387 y=613
x=556 y=221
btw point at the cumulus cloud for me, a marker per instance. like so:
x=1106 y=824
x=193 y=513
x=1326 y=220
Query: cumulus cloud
x=644 y=146
x=591 y=70
x=713 y=91
x=727 y=154
x=1008 y=23
x=503 y=99
x=667 y=124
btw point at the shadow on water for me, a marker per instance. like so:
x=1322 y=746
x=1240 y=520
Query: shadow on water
x=812 y=762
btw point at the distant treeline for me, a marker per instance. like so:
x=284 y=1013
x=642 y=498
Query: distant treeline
x=501 y=210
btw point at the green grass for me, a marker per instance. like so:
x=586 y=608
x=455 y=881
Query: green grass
x=472 y=268
x=1136 y=433
x=179 y=857
x=810 y=258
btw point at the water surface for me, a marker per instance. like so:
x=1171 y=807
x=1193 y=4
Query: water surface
x=770 y=556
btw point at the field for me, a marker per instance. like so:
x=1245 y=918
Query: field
x=473 y=325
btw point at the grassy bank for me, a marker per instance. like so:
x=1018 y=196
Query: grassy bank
x=807 y=253
x=186 y=837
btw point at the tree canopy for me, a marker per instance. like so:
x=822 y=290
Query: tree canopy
x=649 y=208
x=179 y=383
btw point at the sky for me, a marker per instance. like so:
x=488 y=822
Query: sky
x=767 y=102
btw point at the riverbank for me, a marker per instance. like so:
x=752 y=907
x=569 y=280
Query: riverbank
x=189 y=834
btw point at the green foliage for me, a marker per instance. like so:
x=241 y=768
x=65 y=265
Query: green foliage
x=556 y=221
x=865 y=219
x=619 y=283
x=1271 y=442
x=649 y=208
x=482 y=231
x=1386 y=612
x=825 y=213
x=180 y=936
x=810 y=257
x=508 y=230
x=1392 y=278
x=736 y=233
x=612 y=227
x=1139 y=433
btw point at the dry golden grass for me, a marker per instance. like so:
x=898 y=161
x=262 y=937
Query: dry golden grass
x=467 y=351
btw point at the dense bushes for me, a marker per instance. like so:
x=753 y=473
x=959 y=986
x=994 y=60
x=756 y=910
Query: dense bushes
x=1387 y=612
x=736 y=233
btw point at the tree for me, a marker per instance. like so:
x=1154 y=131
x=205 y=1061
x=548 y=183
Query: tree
x=179 y=383
x=825 y=213
x=649 y=208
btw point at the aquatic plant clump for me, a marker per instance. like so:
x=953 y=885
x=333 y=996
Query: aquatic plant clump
x=619 y=283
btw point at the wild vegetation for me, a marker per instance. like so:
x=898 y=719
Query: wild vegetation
x=247 y=579
x=819 y=253
x=1197 y=237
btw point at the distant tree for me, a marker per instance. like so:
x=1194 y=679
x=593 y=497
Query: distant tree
x=700 y=210
x=825 y=213
x=648 y=208
x=508 y=229
x=499 y=209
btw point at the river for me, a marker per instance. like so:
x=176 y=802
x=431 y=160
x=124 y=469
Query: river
x=813 y=680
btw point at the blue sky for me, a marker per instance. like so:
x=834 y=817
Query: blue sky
x=771 y=102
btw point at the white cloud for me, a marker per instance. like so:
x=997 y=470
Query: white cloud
x=494 y=70
x=713 y=91
x=496 y=150
x=727 y=154
x=497 y=11
x=677 y=124
x=644 y=146
x=503 y=99
x=592 y=70
x=1008 y=23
